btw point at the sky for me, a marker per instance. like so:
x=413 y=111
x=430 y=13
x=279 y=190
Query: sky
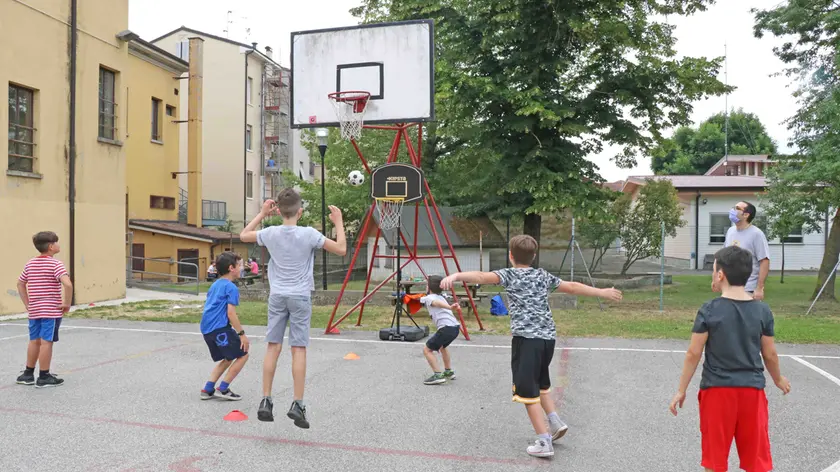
x=750 y=60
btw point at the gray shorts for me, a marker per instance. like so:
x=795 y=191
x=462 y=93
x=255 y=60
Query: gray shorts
x=292 y=310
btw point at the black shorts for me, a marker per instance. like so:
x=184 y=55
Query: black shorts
x=443 y=337
x=529 y=362
x=224 y=343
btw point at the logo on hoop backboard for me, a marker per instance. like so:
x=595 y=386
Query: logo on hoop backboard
x=313 y=119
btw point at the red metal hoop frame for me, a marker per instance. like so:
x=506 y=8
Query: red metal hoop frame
x=359 y=101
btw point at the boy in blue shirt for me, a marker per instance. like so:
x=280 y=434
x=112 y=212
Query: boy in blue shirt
x=222 y=330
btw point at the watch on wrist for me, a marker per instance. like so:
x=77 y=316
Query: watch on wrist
x=241 y=333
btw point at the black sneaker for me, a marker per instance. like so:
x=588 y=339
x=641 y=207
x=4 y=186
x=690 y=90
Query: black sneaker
x=50 y=380
x=297 y=412
x=26 y=379
x=229 y=395
x=205 y=395
x=266 y=411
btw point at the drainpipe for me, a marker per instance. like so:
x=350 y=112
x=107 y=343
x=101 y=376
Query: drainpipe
x=697 y=232
x=245 y=152
x=71 y=197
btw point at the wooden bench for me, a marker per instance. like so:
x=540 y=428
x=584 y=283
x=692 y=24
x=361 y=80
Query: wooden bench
x=247 y=280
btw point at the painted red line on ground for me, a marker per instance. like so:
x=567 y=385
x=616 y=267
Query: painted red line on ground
x=562 y=370
x=290 y=442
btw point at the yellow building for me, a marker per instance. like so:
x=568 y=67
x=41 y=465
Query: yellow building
x=70 y=180
x=162 y=248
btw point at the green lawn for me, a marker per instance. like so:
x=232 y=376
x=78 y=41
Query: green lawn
x=637 y=316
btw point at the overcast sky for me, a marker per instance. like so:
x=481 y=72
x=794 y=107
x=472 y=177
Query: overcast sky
x=751 y=60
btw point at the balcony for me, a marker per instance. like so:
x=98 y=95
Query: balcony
x=213 y=213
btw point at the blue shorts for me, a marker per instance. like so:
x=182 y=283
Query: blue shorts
x=44 y=328
x=225 y=344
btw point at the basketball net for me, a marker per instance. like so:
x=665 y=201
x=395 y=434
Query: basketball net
x=350 y=110
x=389 y=210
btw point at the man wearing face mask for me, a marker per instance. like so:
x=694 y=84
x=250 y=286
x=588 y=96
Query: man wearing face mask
x=749 y=237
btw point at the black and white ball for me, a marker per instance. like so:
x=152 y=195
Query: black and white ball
x=356 y=178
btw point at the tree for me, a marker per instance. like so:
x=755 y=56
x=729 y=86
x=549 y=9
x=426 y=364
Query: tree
x=812 y=52
x=526 y=90
x=693 y=152
x=600 y=231
x=641 y=222
x=785 y=216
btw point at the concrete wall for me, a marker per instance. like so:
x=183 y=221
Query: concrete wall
x=39 y=60
x=149 y=163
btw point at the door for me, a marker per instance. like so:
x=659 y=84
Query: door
x=189 y=256
x=138 y=252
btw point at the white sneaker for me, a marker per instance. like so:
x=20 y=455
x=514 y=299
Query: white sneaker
x=541 y=448
x=558 y=429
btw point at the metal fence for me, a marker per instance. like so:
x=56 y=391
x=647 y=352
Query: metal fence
x=163 y=274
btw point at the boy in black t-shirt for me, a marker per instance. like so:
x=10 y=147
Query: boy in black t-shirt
x=736 y=332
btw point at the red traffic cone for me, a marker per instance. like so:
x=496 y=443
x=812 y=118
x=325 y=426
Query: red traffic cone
x=333 y=330
x=236 y=415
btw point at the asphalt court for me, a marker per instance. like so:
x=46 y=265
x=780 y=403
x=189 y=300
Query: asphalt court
x=130 y=403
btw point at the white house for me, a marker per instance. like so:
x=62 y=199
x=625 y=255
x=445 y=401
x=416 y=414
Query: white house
x=706 y=201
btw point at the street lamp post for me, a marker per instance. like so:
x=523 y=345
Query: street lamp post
x=322 y=148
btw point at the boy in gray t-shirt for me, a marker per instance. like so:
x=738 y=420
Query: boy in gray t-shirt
x=292 y=249
x=736 y=331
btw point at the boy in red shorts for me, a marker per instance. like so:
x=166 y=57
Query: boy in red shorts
x=736 y=332
x=40 y=288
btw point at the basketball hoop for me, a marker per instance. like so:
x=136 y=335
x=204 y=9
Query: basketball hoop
x=350 y=111
x=389 y=210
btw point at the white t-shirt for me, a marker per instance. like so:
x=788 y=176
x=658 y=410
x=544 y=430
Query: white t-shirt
x=753 y=240
x=441 y=316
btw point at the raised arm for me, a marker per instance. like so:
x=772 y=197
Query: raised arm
x=339 y=246
x=483 y=278
x=249 y=232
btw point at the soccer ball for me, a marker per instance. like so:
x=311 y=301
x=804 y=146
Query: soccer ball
x=356 y=178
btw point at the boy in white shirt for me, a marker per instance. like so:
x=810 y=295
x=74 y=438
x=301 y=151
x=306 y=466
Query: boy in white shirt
x=447 y=331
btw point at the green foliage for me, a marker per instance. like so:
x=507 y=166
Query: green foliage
x=227 y=227
x=600 y=231
x=526 y=90
x=640 y=222
x=694 y=151
x=811 y=29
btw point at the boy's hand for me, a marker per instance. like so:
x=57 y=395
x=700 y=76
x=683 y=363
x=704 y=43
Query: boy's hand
x=678 y=399
x=611 y=294
x=335 y=215
x=65 y=307
x=245 y=343
x=454 y=306
x=268 y=208
x=447 y=282
x=759 y=293
x=784 y=385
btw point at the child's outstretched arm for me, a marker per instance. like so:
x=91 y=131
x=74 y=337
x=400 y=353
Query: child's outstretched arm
x=339 y=246
x=575 y=288
x=771 y=360
x=444 y=305
x=692 y=359
x=483 y=278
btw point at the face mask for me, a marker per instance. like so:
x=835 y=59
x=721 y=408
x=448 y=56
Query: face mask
x=733 y=216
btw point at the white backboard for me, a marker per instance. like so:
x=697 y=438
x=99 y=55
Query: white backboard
x=392 y=61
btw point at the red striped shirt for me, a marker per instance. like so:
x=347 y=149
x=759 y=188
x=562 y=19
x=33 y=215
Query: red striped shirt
x=42 y=278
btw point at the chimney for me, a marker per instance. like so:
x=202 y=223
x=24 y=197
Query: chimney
x=254 y=45
x=269 y=52
x=194 y=132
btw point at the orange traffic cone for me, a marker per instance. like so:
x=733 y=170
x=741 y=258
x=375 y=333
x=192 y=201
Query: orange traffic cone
x=351 y=356
x=236 y=415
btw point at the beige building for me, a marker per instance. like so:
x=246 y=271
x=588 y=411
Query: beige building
x=70 y=180
x=247 y=139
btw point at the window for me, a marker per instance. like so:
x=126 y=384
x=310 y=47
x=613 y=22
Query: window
x=795 y=237
x=170 y=111
x=182 y=50
x=249 y=86
x=718 y=225
x=107 y=105
x=161 y=203
x=21 y=129
x=249 y=184
x=248 y=137
x=156 y=119
x=311 y=168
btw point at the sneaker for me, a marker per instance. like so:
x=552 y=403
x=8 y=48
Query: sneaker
x=229 y=395
x=26 y=379
x=266 y=411
x=50 y=380
x=205 y=395
x=449 y=374
x=541 y=448
x=436 y=379
x=558 y=429
x=297 y=412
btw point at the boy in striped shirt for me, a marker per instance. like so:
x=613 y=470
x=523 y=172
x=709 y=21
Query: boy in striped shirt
x=40 y=286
